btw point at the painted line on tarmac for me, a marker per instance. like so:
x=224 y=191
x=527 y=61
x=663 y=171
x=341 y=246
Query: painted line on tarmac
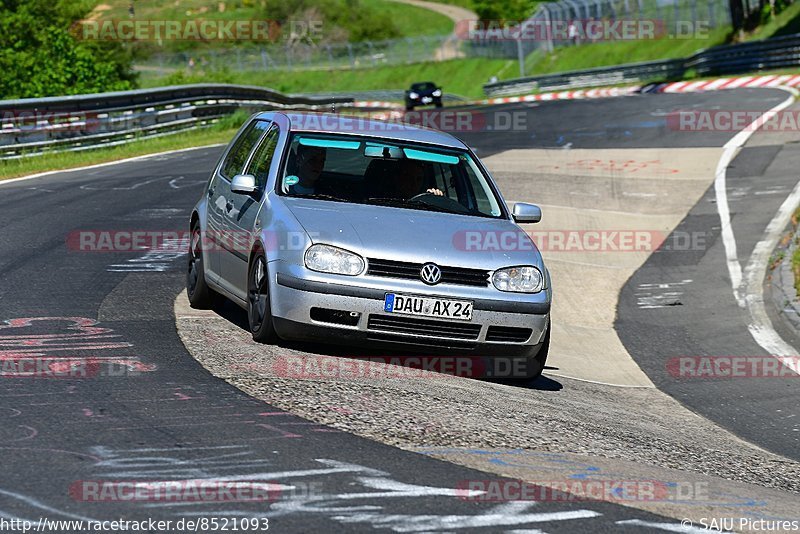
x=761 y=327
x=627 y=386
x=748 y=291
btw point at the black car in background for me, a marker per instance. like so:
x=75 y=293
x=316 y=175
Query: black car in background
x=423 y=94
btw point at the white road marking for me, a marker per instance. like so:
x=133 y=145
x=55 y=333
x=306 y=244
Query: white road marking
x=583 y=263
x=507 y=514
x=107 y=164
x=551 y=373
x=40 y=505
x=643 y=195
x=760 y=326
x=669 y=527
x=748 y=291
x=649 y=296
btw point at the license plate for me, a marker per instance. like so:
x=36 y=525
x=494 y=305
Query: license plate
x=426 y=100
x=460 y=310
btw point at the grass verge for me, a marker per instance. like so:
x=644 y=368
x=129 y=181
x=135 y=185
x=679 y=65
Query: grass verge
x=619 y=52
x=221 y=132
x=458 y=76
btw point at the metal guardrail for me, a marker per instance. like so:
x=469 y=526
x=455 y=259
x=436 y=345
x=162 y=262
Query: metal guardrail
x=381 y=95
x=72 y=123
x=779 y=52
x=598 y=77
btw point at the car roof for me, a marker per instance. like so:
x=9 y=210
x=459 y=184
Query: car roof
x=367 y=127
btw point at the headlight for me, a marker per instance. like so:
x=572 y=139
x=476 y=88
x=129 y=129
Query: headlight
x=328 y=259
x=525 y=279
x=413 y=96
x=437 y=93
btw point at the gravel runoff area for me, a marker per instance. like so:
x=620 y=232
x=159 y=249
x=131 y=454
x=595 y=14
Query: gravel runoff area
x=639 y=425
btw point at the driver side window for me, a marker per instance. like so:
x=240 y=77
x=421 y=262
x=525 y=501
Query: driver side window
x=260 y=164
x=237 y=157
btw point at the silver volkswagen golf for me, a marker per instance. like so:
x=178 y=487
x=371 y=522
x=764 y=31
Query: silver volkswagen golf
x=358 y=231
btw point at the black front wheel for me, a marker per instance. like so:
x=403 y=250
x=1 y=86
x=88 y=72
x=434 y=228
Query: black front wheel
x=200 y=295
x=259 y=311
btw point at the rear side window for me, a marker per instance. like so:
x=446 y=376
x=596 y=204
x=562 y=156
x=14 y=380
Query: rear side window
x=237 y=157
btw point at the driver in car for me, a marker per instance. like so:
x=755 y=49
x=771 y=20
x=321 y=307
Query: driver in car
x=310 y=163
x=412 y=180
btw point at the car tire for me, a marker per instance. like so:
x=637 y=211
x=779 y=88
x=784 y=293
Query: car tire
x=439 y=104
x=200 y=295
x=259 y=309
x=536 y=362
x=409 y=108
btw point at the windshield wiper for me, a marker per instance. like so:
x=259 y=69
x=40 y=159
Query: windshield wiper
x=412 y=204
x=323 y=196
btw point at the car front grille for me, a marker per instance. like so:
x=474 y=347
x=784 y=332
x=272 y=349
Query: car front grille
x=422 y=327
x=508 y=334
x=410 y=271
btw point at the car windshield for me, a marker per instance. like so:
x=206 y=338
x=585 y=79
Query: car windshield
x=398 y=174
x=426 y=86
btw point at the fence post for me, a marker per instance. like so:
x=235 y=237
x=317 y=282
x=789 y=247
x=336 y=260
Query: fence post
x=712 y=19
x=350 y=53
x=677 y=18
x=548 y=28
x=658 y=16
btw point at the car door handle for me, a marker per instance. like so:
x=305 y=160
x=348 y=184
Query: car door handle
x=228 y=205
x=211 y=192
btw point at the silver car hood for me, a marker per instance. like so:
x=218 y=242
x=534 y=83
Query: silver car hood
x=383 y=232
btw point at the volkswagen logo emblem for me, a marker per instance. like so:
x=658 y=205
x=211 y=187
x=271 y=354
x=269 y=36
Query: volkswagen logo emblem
x=431 y=274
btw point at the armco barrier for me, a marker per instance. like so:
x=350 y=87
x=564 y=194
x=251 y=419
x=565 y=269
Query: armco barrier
x=779 y=52
x=71 y=123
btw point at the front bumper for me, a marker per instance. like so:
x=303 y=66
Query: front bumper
x=424 y=100
x=293 y=298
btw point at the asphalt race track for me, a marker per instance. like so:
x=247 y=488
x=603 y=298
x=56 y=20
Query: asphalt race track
x=146 y=410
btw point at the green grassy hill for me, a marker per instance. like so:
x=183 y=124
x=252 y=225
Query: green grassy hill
x=339 y=20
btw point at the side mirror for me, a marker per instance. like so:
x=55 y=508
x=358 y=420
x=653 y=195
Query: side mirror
x=526 y=213
x=244 y=184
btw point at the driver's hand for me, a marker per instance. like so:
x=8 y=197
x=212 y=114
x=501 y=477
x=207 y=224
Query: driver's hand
x=434 y=191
